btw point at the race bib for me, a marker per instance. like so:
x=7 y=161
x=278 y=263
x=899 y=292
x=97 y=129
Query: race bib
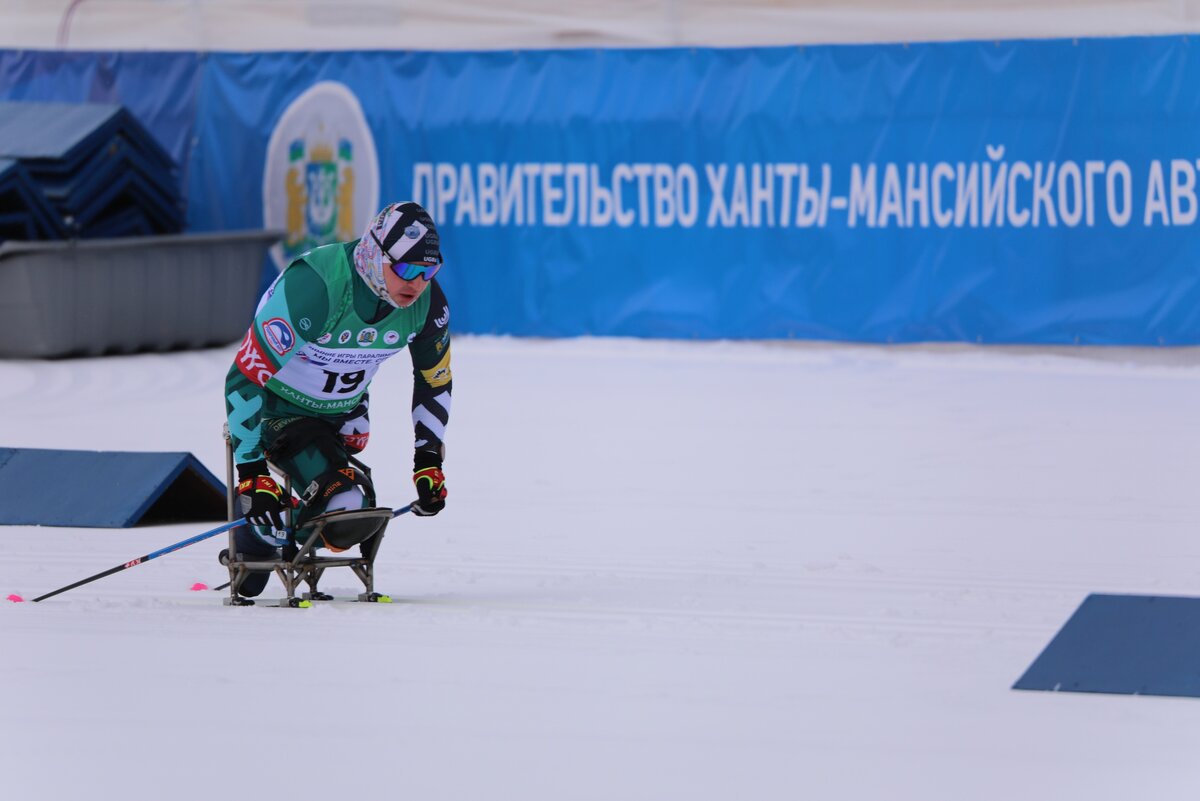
x=321 y=378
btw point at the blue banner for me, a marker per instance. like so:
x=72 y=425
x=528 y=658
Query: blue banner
x=1020 y=192
x=160 y=89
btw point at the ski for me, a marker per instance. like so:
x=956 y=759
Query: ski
x=363 y=598
x=286 y=603
x=308 y=600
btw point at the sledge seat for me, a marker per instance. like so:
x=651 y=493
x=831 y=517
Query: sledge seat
x=306 y=567
x=340 y=531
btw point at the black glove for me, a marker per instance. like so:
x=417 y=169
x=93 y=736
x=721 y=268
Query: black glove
x=261 y=498
x=431 y=484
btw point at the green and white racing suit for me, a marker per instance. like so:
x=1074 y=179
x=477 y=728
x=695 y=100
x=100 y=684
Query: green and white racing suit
x=318 y=337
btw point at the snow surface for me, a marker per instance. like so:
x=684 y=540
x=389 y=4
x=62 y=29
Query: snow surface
x=667 y=570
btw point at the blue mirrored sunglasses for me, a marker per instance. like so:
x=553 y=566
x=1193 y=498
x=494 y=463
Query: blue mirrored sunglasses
x=410 y=271
x=405 y=270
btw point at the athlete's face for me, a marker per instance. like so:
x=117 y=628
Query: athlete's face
x=404 y=293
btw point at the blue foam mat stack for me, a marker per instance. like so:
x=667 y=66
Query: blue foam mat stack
x=86 y=170
x=25 y=213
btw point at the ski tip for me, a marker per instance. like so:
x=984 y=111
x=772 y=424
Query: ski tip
x=384 y=599
x=16 y=599
x=304 y=605
x=198 y=586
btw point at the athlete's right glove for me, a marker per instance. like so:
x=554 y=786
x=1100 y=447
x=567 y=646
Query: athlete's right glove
x=261 y=498
x=431 y=484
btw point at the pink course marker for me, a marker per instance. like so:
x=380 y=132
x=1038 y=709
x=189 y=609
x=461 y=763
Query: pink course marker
x=16 y=599
x=198 y=586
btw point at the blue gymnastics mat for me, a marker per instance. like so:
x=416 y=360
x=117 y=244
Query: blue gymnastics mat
x=105 y=489
x=1123 y=644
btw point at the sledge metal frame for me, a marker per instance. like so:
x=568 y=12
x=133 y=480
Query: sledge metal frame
x=304 y=567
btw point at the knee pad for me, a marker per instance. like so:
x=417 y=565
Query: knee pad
x=334 y=482
x=346 y=500
x=341 y=484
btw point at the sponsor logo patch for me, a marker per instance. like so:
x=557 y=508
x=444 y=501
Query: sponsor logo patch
x=439 y=375
x=304 y=323
x=445 y=318
x=324 y=339
x=345 y=336
x=367 y=337
x=391 y=338
x=279 y=335
x=252 y=361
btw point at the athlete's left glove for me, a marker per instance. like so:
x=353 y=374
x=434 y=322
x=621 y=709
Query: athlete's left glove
x=261 y=498
x=431 y=484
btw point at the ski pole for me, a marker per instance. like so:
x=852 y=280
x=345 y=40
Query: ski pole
x=146 y=558
x=395 y=513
